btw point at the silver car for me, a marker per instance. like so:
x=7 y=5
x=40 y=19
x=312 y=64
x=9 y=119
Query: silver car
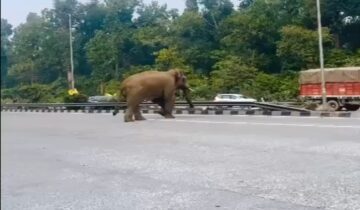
x=233 y=98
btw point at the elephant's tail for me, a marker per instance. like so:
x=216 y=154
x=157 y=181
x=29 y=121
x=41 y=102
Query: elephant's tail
x=121 y=97
x=123 y=92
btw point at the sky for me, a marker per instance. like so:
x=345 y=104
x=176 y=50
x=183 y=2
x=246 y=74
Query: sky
x=15 y=11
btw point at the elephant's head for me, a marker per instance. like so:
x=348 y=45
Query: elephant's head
x=182 y=84
x=180 y=79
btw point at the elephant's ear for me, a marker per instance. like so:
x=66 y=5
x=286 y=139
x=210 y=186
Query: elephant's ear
x=178 y=75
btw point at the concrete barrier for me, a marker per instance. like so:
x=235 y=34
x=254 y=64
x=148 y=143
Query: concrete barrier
x=177 y=111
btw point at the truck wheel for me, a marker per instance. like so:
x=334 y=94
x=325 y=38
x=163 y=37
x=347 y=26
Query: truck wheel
x=334 y=105
x=352 y=107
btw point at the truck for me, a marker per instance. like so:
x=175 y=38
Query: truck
x=342 y=87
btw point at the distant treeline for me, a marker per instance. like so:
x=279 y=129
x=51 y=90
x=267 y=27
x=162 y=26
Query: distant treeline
x=256 y=47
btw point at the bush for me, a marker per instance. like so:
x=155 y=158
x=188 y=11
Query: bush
x=112 y=87
x=8 y=94
x=77 y=98
x=87 y=86
x=281 y=87
x=36 y=93
x=40 y=93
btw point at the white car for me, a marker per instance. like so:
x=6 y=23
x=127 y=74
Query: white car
x=232 y=98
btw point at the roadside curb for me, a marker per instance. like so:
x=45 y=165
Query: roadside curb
x=201 y=112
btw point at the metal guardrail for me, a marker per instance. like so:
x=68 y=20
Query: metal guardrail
x=122 y=105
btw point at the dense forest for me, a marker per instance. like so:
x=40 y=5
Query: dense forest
x=256 y=47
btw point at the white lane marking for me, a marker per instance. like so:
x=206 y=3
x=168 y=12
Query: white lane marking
x=260 y=123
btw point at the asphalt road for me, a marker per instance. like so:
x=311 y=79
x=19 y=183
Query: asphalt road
x=96 y=161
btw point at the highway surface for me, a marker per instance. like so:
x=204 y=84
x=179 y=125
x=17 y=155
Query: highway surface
x=96 y=161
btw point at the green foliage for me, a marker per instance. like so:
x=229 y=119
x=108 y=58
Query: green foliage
x=252 y=34
x=35 y=93
x=77 y=98
x=6 y=31
x=337 y=58
x=298 y=47
x=232 y=75
x=103 y=55
x=112 y=87
x=220 y=49
x=23 y=72
x=191 y=6
x=87 y=86
x=275 y=87
x=190 y=36
x=200 y=87
x=353 y=60
x=169 y=58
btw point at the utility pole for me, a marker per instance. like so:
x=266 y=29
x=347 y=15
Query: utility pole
x=321 y=54
x=71 y=77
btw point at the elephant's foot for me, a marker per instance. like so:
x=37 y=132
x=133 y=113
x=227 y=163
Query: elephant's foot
x=140 y=117
x=169 y=116
x=161 y=112
x=128 y=119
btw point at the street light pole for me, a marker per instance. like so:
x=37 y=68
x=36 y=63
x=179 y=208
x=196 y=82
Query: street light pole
x=321 y=54
x=71 y=56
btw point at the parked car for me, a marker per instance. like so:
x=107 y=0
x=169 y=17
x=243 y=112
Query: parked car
x=98 y=99
x=233 y=98
x=102 y=99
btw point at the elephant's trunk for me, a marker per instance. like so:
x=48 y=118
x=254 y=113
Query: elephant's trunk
x=186 y=91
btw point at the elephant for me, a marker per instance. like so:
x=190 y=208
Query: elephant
x=157 y=86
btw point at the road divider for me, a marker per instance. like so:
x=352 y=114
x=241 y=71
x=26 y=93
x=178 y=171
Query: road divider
x=185 y=111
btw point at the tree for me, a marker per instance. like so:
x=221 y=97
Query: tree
x=189 y=35
x=151 y=32
x=91 y=18
x=120 y=12
x=103 y=56
x=253 y=49
x=232 y=75
x=252 y=34
x=62 y=10
x=24 y=72
x=6 y=31
x=191 y=6
x=341 y=17
x=152 y=15
x=298 y=47
x=27 y=47
x=169 y=58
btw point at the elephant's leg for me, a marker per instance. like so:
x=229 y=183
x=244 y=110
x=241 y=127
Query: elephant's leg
x=129 y=114
x=161 y=103
x=131 y=108
x=137 y=114
x=169 y=105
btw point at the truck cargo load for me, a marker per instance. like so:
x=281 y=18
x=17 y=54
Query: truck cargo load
x=345 y=74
